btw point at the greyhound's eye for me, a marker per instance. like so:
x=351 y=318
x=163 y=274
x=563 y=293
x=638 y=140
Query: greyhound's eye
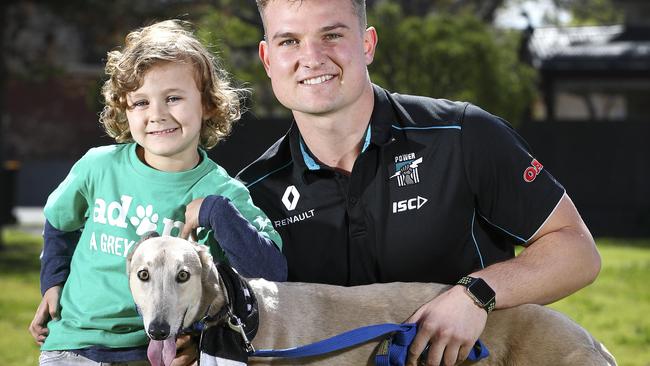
x=182 y=276
x=143 y=275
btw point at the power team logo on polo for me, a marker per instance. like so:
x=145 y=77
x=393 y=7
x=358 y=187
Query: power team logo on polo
x=406 y=169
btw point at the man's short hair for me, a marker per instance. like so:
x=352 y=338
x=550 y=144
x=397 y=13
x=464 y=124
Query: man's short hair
x=358 y=5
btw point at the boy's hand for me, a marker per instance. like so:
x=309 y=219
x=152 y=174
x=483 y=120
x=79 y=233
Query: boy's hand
x=186 y=351
x=191 y=219
x=47 y=309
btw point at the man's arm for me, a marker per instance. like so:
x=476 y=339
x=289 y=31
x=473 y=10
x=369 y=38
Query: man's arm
x=559 y=260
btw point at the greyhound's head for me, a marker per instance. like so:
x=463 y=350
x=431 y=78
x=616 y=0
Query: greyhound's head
x=173 y=283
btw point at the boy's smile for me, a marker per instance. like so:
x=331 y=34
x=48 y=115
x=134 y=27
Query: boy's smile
x=165 y=116
x=163 y=132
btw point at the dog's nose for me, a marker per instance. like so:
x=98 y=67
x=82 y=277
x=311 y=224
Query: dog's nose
x=158 y=330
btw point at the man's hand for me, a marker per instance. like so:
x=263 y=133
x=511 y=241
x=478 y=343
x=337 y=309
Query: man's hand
x=191 y=219
x=47 y=309
x=186 y=351
x=450 y=324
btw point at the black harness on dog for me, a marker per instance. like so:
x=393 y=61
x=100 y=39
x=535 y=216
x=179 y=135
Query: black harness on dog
x=228 y=333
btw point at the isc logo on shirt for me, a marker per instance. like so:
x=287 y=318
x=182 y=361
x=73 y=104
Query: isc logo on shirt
x=409 y=204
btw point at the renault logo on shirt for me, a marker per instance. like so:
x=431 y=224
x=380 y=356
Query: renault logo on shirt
x=290 y=198
x=409 y=204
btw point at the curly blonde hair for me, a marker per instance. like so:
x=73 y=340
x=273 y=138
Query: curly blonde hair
x=168 y=41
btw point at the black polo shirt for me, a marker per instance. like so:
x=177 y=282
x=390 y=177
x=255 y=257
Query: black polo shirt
x=440 y=189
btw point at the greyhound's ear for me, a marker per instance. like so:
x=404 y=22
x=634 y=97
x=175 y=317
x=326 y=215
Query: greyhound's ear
x=147 y=235
x=210 y=281
x=206 y=263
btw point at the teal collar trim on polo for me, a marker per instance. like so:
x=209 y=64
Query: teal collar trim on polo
x=366 y=141
x=311 y=163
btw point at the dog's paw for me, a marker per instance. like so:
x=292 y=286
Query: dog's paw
x=145 y=220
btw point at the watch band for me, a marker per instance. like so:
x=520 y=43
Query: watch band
x=465 y=281
x=479 y=291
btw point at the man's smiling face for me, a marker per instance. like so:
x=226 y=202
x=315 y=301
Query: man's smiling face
x=316 y=54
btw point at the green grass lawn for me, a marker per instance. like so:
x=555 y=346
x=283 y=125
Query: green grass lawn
x=19 y=297
x=615 y=309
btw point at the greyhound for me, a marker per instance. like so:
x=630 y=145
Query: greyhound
x=175 y=283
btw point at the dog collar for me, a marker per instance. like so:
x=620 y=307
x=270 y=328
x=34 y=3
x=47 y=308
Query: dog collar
x=236 y=323
x=241 y=303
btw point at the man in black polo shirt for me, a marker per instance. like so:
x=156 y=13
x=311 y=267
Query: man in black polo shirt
x=369 y=186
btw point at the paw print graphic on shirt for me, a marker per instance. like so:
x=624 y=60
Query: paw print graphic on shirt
x=145 y=220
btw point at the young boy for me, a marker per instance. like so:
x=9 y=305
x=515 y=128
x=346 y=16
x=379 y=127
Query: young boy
x=166 y=103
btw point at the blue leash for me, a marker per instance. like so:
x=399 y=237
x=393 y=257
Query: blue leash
x=392 y=351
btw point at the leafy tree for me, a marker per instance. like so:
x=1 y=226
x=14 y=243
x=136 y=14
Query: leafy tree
x=235 y=39
x=591 y=12
x=483 y=9
x=455 y=57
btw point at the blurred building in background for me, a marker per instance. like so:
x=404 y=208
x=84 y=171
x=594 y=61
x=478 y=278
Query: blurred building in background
x=590 y=124
x=594 y=73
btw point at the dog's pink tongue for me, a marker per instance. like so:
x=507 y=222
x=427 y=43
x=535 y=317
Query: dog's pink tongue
x=162 y=353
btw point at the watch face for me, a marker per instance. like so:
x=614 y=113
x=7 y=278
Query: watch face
x=481 y=291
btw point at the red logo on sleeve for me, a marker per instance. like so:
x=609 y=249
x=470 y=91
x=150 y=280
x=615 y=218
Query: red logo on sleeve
x=532 y=171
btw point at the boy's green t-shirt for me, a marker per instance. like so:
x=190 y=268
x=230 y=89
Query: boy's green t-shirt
x=114 y=198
